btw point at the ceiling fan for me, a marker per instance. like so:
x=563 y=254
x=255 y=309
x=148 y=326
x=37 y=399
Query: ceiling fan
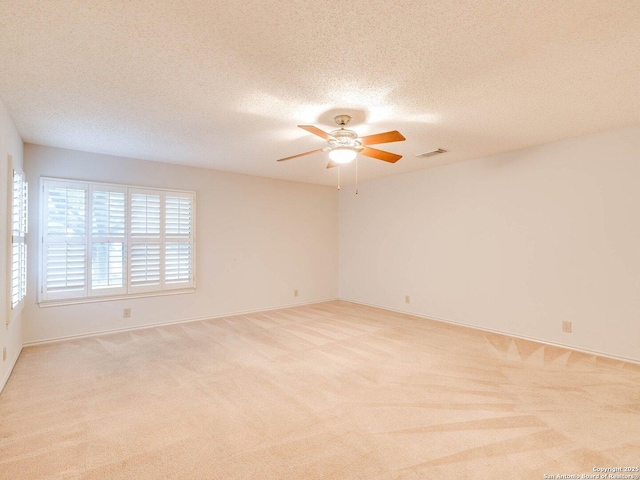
x=344 y=145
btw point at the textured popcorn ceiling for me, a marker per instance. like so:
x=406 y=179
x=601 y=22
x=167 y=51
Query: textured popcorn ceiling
x=223 y=84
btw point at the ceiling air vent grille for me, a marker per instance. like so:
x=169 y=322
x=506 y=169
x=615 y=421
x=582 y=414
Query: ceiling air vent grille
x=431 y=153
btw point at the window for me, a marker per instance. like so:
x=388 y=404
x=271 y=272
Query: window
x=111 y=240
x=18 y=242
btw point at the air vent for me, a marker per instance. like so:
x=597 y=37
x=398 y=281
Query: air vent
x=431 y=153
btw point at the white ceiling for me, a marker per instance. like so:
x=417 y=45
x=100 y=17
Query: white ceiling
x=223 y=84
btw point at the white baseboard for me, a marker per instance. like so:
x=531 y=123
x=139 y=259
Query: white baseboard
x=246 y=312
x=12 y=364
x=172 y=322
x=508 y=334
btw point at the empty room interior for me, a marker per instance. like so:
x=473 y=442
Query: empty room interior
x=319 y=240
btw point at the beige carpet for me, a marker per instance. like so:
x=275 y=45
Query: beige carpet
x=330 y=391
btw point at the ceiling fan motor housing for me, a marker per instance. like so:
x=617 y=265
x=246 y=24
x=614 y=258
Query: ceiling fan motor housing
x=342 y=137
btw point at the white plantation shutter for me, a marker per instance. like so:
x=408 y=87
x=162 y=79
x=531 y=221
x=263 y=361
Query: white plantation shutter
x=178 y=240
x=64 y=240
x=18 y=264
x=110 y=240
x=18 y=267
x=145 y=240
x=108 y=231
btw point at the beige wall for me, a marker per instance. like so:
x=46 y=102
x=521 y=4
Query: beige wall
x=257 y=239
x=516 y=242
x=11 y=335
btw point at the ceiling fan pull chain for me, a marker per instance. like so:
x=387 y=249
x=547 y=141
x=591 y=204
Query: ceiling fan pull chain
x=338 y=177
x=356 y=175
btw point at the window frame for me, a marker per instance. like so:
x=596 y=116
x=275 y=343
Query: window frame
x=90 y=293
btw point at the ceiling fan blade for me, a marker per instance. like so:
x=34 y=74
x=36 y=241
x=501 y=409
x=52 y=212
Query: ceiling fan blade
x=301 y=155
x=386 y=137
x=380 y=154
x=332 y=164
x=316 y=131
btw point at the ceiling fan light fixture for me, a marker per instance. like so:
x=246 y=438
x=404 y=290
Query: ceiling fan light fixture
x=342 y=154
x=344 y=145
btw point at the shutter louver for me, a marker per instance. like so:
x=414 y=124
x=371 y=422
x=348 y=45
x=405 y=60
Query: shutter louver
x=67 y=212
x=65 y=266
x=18 y=272
x=178 y=216
x=145 y=215
x=108 y=228
x=15 y=274
x=178 y=262
x=145 y=264
x=179 y=241
x=108 y=214
x=145 y=248
x=18 y=266
x=107 y=265
x=65 y=247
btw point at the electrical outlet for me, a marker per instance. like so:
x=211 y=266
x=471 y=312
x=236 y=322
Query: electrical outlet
x=126 y=313
x=4 y=353
x=407 y=299
x=566 y=327
x=295 y=293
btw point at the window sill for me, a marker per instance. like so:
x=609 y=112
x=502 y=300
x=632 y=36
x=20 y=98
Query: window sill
x=77 y=301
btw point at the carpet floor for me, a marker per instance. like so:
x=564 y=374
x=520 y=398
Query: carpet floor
x=326 y=391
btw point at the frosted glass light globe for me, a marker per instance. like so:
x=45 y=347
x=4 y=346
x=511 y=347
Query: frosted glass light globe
x=342 y=154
